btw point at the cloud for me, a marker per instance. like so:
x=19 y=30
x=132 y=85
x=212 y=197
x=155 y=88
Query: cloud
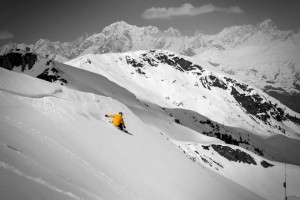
x=6 y=34
x=186 y=10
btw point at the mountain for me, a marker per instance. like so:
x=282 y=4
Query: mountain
x=173 y=81
x=122 y=37
x=260 y=55
x=56 y=142
x=191 y=126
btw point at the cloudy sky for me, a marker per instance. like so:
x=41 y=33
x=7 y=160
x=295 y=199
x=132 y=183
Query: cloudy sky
x=66 y=20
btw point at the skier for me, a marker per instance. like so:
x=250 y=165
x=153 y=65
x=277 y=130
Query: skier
x=117 y=120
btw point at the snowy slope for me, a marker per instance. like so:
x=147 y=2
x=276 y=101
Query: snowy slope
x=170 y=80
x=56 y=144
x=167 y=80
x=245 y=168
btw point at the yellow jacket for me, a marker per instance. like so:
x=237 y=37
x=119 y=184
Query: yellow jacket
x=117 y=119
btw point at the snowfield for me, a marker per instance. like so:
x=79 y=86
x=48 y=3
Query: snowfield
x=56 y=143
x=159 y=77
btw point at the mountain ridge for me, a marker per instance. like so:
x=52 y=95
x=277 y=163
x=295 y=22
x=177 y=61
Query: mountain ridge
x=261 y=55
x=122 y=28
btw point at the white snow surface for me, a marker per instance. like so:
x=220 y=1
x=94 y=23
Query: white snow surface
x=56 y=144
x=168 y=87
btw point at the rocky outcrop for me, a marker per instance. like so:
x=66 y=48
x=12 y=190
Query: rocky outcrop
x=18 y=59
x=52 y=75
x=235 y=155
x=32 y=64
x=265 y=164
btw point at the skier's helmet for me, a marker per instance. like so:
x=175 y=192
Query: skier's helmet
x=121 y=113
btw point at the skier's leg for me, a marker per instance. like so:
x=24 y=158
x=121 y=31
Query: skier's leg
x=121 y=126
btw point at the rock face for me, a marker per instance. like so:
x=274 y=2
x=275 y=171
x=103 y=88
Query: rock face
x=33 y=65
x=16 y=59
x=235 y=155
x=52 y=74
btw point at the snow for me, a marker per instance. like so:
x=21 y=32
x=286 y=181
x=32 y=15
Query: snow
x=56 y=144
x=267 y=182
x=168 y=87
x=272 y=66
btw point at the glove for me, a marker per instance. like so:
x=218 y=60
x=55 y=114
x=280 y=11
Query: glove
x=105 y=115
x=124 y=126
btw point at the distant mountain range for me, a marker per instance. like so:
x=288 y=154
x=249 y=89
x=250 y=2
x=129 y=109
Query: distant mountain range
x=122 y=37
x=261 y=55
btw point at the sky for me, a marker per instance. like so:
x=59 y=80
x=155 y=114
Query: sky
x=66 y=20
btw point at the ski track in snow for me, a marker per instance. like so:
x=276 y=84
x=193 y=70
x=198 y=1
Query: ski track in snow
x=34 y=96
x=37 y=180
x=56 y=148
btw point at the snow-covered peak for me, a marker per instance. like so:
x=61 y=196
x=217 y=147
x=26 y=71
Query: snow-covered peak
x=42 y=42
x=234 y=36
x=118 y=27
x=173 y=32
x=121 y=28
x=268 y=24
x=150 y=30
x=44 y=47
x=269 y=28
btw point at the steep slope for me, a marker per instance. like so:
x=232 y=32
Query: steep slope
x=180 y=84
x=174 y=81
x=237 y=164
x=55 y=143
x=84 y=157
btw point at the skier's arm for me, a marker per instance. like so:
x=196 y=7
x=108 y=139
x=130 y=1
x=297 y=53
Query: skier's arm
x=111 y=115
